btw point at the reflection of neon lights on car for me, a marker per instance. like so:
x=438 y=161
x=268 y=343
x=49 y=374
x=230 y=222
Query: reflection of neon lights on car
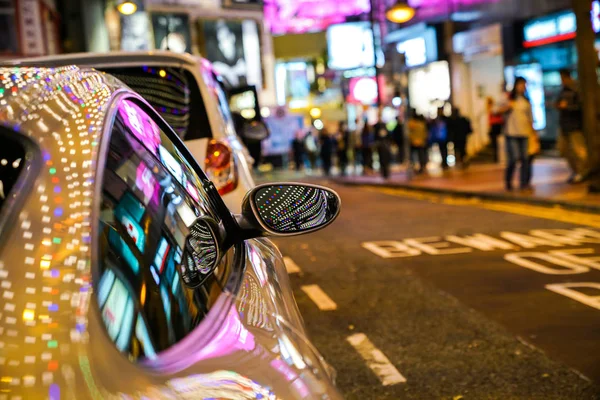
x=161 y=254
x=117 y=311
x=171 y=163
x=141 y=332
x=142 y=126
x=145 y=181
x=221 y=385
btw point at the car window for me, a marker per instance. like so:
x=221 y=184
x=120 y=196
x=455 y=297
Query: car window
x=150 y=198
x=218 y=94
x=173 y=93
x=20 y=161
x=12 y=160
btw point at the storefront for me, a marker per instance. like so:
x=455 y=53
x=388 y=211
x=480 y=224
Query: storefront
x=30 y=28
x=548 y=46
x=428 y=79
x=233 y=37
x=477 y=74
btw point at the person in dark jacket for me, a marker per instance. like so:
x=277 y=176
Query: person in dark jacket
x=367 y=140
x=571 y=141
x=326 y=142
x=383 y=143
x=298 y=149
x=342 y=141
x=459 y=129
x=398 y=138
x=438 y=133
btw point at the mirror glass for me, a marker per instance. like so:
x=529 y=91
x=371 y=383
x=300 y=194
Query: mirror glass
x=200 y=255
x=295 y=208
x=256 y=131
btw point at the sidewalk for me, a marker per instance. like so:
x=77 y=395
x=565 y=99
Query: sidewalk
x=487 y=181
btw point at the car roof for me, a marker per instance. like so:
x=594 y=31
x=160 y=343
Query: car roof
x=30 y=95
x=113 y=58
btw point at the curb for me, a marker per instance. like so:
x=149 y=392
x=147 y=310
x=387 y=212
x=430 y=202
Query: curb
x=486 y=196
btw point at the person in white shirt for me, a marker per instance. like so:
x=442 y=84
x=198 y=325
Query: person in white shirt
x=521 y=138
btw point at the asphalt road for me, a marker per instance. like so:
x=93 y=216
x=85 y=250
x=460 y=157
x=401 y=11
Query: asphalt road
x=478 y=323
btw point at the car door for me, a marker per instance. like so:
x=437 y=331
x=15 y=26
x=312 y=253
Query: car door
x=151 y=194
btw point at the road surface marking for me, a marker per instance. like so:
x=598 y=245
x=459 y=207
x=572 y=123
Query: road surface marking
x=376 y=360
x=291 y=266
x=319 y=297
x=555 y=213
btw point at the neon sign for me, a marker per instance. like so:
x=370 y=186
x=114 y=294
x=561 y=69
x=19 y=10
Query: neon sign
x=557 y=27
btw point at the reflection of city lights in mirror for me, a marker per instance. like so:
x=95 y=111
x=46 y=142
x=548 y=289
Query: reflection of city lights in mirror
x=318 y=124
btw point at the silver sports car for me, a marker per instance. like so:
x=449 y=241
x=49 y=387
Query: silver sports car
x=122 y=273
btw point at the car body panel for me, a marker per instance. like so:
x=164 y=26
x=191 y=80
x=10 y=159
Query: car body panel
x=54 y=342
x=201 y=70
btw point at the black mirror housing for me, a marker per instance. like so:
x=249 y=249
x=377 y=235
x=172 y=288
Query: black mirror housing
x=287 y=209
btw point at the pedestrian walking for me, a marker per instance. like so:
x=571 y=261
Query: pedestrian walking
x=518 y=130
x=439 y=135
x=571 y=142
x=459 y=129
x=398 y=138
x=311 y=145
x=416 y=128
x=356 y=144
x=383 y=144
x=367 y=139
x=496 y=124
x=326 y=144
x=342 y=143
x=298 y=149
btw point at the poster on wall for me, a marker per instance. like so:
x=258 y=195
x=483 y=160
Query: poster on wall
x=283 y=128
x=30 y=23
x=172 y=32
x=234 y=49
x=134 y=32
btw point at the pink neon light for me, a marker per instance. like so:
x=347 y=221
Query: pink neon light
x=300 y=16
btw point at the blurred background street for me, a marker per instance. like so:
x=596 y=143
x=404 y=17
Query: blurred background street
x=462 y=136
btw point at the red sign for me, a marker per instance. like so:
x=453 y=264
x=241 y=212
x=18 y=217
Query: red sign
x=363 y=90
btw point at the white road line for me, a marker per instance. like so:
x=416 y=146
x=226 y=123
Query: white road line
x=291 y=266
x=319 y=297
x=376 y=360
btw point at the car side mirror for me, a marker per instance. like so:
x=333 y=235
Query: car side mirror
x=201 y=253
x=286 y=209
x=255 y=130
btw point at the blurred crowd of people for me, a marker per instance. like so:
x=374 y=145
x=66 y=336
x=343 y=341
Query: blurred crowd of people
x=367 y=148
x=371 y=147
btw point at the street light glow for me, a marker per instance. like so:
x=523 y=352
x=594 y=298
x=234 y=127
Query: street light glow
x=127 y=7
x=400 y=13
